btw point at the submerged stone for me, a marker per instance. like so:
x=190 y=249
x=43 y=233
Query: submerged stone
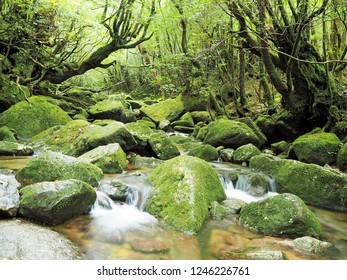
x=183 y=189
x=55 y=202
x=281 y=215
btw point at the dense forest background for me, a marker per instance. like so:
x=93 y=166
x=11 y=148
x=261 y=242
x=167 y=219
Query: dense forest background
x=244 y=57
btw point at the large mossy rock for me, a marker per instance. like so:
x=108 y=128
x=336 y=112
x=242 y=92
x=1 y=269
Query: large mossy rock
x=186 y=121
x=281 y=215
x=245 y=153
x=15 y=149
x=9 y=196
x=52 y=203
x=162 y=146
x=141 y=133
x=230 y=134
x=52 y=166
x=78 y=137
x=183 y=189
x=314 y=184
x=112 y=109
x=29 y=119
x=110 y=158
x=318 y=148
x=170 y=109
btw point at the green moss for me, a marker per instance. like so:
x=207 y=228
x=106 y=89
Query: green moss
x=112 y=109
x=169 y=109
x=186 y=120
x=281 y=215
x=183 y=189
x=245 y=153
x=52 y=166
x=162 y=146
x=230 y=134
x=55 y=202
x=141 y=132
x=319 y=148
x=342 y=158
x=15 y=149
x=110 y=158
x=314 y=184
x=205 y=152
x=7 y=135
x=266 y=124
x=29 y=119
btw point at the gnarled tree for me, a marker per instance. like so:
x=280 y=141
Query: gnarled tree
x=279 y=32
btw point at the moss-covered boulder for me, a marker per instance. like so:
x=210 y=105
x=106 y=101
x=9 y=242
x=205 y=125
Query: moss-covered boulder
x=202 y=116
x=281 y=215
x=267 y=125
x=245 y=153
x=252 y=125
x=258 y=185
x=170 y=109
x=314 y=184
x=78 y=137
x=112 y=109
x=141 y=133
x=113 y=133
x=342 y=158
x=9 y=196
x=52 y=203
x=7 y=135
x=52 y=166
x=186 y=121
x=29 y=119
x=205 y=152
x=319 y=148
x=110 y=158
x=162 y=146
x=230 y=134
x=226 y=154
x=15 y=149
x=280 y=147
x=183 y=189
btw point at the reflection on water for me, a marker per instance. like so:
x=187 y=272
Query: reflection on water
x=124 y=231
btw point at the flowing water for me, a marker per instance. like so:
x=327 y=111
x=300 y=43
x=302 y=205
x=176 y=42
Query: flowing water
x=123 y=230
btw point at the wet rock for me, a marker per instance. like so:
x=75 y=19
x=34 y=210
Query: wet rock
x=205 y=152
x=150 y=246
x=318 y=148
x=9 y=196
x=271 y=255
x=258 y=185
x=227 y=154
x=245 y=153
x=183 y=189
x=51 y=166
x=217 y=211
x=233 y=205
x=28 y=119
x=15 y=149
x=20 y=240
x=230 y=134
x=162 y=146
x=112 y=109
x=110 y=158
x=55 y=202
x=314 y=184
x=280 y=215
x=116 y=190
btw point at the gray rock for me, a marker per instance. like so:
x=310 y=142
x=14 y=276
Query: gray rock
x=233 y=205
x=266 y=255
x=311 y=245
x=21 y=240
x=9 y=196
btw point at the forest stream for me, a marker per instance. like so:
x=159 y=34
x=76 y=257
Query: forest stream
x=124 y=231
